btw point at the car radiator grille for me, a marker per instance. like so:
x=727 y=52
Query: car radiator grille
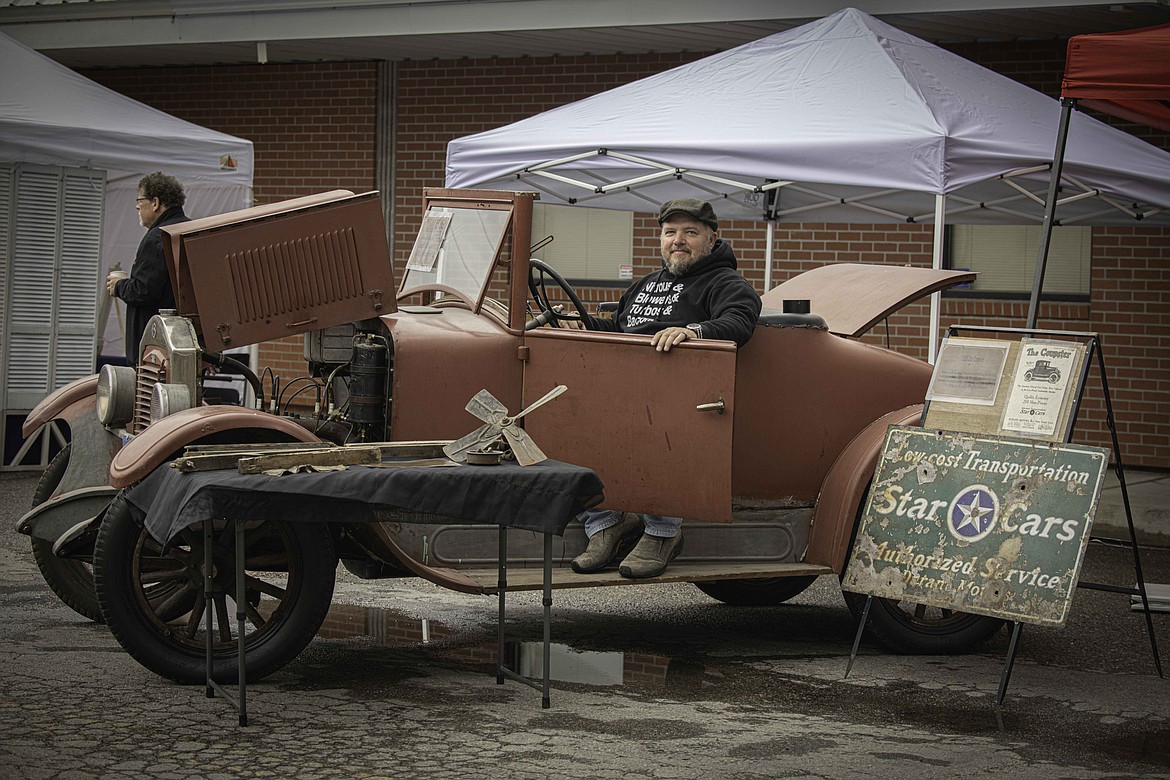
x=149 y=375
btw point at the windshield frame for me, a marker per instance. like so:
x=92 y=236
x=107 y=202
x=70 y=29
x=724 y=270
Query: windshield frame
x=518 y=226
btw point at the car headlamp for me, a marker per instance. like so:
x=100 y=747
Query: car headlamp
x=115 y=395
x=167 y=399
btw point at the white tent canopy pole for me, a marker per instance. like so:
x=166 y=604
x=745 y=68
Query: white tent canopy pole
x=940 y=218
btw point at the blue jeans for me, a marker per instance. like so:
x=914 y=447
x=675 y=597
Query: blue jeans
x=656 y=525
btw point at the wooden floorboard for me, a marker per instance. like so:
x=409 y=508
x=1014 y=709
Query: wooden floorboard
x=533 y=578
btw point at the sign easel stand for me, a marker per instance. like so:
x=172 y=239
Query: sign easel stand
x=1140 y=590
x=1092 y=341
x=1008 y=663
x=1094 y=347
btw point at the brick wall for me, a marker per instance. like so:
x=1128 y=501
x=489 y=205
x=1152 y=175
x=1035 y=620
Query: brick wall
x=311 y=126
x=313 y=129
x=438 y=101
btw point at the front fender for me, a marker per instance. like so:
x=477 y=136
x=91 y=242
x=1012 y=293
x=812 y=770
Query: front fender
x=93 y=446
x=844 y=487
x=55 y=403
x=53 y=518
x=159 y=442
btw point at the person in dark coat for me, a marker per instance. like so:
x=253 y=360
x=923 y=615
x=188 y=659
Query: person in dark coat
x=698 y=293
x=148 y=289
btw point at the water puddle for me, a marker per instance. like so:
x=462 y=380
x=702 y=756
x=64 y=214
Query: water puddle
x=388 y=628
x=1153 y=747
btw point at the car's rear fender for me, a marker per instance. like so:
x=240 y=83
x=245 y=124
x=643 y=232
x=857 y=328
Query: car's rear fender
x=844 y=488
x=220 y=424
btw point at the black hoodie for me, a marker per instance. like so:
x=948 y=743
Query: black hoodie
x=711 y=294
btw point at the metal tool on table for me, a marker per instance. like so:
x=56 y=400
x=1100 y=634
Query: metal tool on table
x=499 y=429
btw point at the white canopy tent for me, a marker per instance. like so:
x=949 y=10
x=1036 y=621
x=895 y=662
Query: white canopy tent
x=51 y=115
x=845 y=119
x=71 y=155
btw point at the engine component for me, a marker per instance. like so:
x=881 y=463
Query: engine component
x=368 y=396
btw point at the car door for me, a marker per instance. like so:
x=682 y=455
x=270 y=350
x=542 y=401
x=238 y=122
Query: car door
x=637 y=417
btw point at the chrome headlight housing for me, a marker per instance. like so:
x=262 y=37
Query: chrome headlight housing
x=115 y=395
x=166 y=399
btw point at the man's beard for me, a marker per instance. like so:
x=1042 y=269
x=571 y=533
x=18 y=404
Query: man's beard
x=685 y=261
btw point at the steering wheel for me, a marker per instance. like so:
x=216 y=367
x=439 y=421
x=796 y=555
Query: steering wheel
x=539 y=272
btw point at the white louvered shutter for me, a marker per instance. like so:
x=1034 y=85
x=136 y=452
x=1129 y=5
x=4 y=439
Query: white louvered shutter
x=55 y=240
x=6 y=183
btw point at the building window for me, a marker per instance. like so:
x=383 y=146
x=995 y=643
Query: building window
x=1005 y=257
x=589 y=245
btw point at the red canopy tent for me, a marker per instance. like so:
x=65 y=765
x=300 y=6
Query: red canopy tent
x=1126 y=74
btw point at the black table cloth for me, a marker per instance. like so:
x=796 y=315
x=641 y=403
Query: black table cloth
x=544 y=497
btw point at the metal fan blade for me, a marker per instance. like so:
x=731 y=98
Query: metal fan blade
x=539 y=402
x=478 y=439
x=485 y=406
x=524 y=449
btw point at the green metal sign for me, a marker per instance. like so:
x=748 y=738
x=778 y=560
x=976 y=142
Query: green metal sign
x=989 y=525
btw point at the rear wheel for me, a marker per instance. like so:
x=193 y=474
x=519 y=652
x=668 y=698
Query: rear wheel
x=70 y=578
x=763 y=592
x=916 y=629
x=290 y=569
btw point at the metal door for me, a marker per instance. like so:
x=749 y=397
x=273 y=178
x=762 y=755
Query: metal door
x=631 y=414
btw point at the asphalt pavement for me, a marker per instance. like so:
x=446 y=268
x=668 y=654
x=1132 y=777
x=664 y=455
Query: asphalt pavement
x=655 y=682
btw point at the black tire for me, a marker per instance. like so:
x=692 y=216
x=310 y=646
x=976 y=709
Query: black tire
x=290 y=574
x=914 y=629
x=70 y=578
x=763 y=592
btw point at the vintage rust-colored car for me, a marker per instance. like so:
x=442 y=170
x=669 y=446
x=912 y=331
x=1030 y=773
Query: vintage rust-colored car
x=767 y=450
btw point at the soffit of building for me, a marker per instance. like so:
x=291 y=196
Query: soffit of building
x=124 y=33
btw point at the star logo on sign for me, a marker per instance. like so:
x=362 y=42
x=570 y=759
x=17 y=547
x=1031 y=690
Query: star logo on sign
x=972 y=513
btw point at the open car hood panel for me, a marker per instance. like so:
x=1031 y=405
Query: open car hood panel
x=853 y=297
x=282 y=269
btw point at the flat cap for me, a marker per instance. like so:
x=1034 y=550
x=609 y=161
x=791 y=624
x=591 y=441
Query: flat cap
x=692 y=207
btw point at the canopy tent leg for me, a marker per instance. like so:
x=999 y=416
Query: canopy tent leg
x=768 y=255
x=770 y=218
x=940 y=218
x=1066 y=108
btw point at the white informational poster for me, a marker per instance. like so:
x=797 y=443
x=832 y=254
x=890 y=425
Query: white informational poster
x=1045 y=374
x=968 y=371
x=430 y=239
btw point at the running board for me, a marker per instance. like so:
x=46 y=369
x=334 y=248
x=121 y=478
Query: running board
x=533 y=578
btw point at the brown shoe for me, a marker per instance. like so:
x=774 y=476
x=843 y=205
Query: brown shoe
x=650 y=556
x=608 y=545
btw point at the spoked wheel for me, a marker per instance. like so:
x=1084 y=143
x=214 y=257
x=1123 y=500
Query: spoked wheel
x=289 y=576
x=917 y=629
x=70 y=578
x=539 y=272
x=763 y=592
